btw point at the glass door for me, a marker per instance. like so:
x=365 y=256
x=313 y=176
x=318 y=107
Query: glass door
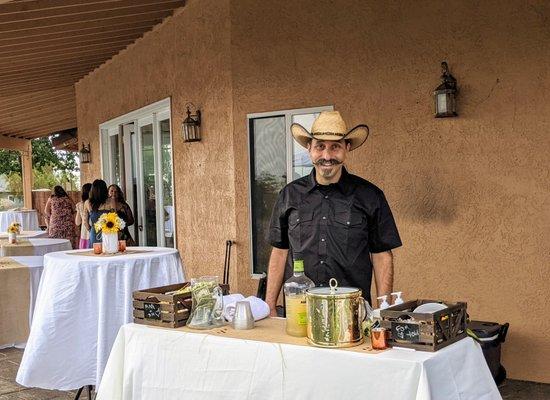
x=137 y=155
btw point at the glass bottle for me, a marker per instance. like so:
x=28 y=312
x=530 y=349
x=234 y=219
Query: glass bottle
x=295 y=300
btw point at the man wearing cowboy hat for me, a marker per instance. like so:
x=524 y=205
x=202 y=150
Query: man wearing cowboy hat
x=338 y=223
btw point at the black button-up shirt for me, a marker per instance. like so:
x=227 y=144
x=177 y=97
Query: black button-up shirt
x=333 y=228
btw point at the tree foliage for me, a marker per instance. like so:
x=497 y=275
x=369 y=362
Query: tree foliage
x=50 y=167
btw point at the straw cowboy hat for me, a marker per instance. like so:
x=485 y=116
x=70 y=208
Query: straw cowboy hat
x=330 y=125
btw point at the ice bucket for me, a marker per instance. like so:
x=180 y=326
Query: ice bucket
x=334 y=316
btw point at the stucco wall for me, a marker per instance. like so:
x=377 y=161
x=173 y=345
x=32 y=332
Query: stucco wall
x=470 y=194
x=186 y=58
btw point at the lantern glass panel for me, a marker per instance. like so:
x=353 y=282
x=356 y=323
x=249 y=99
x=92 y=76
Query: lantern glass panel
x=441 y=103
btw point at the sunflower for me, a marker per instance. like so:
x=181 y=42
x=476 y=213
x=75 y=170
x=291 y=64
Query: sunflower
x=109 y=223
x=15 y=227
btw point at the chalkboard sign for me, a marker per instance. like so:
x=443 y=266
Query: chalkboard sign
x=151 y=310
x=406 y=332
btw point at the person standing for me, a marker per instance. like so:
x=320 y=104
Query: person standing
x=97 y=204
x=59 y=212
x=124 y=211
x=340 y=224
x=84 y=233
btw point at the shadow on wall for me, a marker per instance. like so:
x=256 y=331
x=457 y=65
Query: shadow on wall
x=430 y=198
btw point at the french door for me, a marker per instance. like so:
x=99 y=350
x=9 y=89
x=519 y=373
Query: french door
x=137 y=156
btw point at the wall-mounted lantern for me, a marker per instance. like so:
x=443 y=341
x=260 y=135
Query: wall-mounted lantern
x=85 y=154
x=191 y=125
x=444 y=94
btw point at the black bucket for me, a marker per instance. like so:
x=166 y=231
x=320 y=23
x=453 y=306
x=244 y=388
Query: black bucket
x=490 y=335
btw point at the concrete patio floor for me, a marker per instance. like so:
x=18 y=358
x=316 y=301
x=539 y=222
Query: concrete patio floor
x=9 y=390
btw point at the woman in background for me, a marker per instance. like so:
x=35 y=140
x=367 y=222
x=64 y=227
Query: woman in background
x=98 y=203
x=124 y=211
x=59 y=213
x=84 y=233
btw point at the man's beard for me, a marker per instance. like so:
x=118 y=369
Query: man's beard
x=327 y=173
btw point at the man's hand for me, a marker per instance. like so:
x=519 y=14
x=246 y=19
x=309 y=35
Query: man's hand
x=275 y=274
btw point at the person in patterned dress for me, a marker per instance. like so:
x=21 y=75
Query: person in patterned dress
x=60 y=213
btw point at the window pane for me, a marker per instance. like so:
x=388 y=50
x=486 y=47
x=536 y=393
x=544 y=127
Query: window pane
x=301 y=164
x=147 y=156
x=166 y=174
x=268 y=169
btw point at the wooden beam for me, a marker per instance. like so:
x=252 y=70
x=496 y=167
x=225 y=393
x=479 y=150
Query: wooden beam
x=153 y=18
x=22 y=99
x=47 y=48
x=42 y=130
x=35 y=110
x=31 y=89
x=59 y=54
x=32 y=67
x=26 y=172
x=45 y=8
x=9 y=24
x=48 y=73
x=11 y=143
x=57 y=39
x=41 y=120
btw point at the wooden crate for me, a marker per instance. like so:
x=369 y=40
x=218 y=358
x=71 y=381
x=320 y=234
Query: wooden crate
x=424 y=331
x=154 y=307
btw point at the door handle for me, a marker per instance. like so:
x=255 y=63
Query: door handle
x=140 y=227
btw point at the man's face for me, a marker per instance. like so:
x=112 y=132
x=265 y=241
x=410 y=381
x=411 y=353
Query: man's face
x=112 y=192
x=327 y=157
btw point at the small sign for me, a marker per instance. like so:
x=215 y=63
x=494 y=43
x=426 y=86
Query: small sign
x=151 y=310
x=406 y=332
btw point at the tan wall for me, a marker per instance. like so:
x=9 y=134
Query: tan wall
x=185 y=58
x=470 y=194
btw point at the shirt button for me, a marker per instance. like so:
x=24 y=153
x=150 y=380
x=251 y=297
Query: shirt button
x=298 y=220
x=323 y=239
x=326 y=197
x=324 y=217
x=347 y=222
x=322 y=262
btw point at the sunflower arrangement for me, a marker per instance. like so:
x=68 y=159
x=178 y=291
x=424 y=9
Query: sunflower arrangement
x=109 y=223
x=15 y=227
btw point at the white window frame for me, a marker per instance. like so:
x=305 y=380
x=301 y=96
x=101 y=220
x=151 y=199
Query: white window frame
x=157 y=111
x=289 y=139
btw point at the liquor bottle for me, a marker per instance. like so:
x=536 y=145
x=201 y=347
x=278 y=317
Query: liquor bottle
x=295 y=299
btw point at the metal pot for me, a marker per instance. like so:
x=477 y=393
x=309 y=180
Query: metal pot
x=334 y=316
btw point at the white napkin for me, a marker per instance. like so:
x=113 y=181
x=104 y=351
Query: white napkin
x=259 y=308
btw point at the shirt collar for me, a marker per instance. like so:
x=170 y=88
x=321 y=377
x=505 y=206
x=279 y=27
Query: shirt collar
x=343 y=183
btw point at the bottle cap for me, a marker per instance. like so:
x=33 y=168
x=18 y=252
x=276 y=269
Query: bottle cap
x=298 y=265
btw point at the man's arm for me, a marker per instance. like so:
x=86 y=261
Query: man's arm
x=383 y=273
x=275 y=274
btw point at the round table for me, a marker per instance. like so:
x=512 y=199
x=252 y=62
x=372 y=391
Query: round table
x=33 y=247
x=27 y=234
x=82 y=301
x=27 y=218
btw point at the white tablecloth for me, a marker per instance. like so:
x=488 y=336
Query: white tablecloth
x=160 y=364
x=41 y=246
x=27 y=234
x=82 y=302
x=28 y=220
x=35 y=264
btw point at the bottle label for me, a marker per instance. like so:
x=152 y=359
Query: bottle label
x=298 y=265
x=301 y=318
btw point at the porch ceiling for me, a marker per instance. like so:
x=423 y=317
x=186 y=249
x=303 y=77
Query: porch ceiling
x=46 y=46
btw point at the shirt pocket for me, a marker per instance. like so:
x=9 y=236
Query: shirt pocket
x=299 y=228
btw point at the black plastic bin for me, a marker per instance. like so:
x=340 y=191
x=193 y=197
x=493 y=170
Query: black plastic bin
x=490 y=336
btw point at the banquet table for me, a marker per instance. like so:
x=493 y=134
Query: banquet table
x=27 y=218
x=16 y=315
x=33 y=246
x=27 y=234
x=159 y=364
x=82 y=301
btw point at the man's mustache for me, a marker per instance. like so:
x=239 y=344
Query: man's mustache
x=322 y=161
